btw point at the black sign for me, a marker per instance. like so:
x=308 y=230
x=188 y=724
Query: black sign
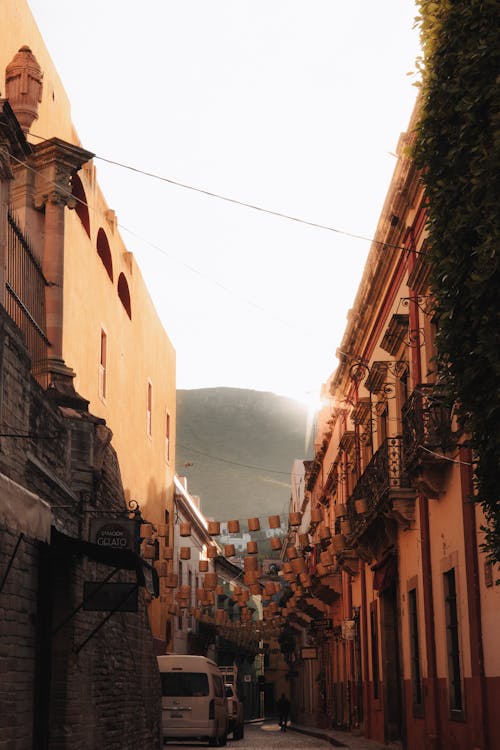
x=109 y=597
x=325 y=624
x=113 y=533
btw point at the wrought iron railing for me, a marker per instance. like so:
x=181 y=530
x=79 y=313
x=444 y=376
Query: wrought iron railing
x=426 y=424
x=25 y=292
x=384 y=473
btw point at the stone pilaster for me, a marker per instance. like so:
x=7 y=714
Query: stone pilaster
x=55 y=162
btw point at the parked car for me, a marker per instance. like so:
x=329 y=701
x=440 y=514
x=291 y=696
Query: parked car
x=193 y=699
x=235 y=713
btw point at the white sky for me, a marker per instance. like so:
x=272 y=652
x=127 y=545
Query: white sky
x=292 y=105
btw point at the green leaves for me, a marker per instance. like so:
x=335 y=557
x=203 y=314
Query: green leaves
x=458 y=150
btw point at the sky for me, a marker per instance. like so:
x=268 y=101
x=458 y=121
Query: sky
x=292 y=106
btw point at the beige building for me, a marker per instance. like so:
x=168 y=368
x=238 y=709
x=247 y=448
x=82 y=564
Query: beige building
x=409 y=651
x=100 y=333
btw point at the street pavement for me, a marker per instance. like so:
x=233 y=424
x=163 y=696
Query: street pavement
x=266 y=735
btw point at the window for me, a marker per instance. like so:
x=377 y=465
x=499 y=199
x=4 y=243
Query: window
x=81 y=207
x=416 y=676
x=104 y=252
x=374 y=645
x=124 y=294
x=149 y=412
x=103 y=365
x=184 y=684
x=452 y=641
x=167 y=437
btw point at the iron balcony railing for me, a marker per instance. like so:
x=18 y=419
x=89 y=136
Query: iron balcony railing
x=384 y=474
x=25 y=292
x=426 y=425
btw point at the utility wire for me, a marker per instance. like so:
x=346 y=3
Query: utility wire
x=245 y=204
x=235 y=463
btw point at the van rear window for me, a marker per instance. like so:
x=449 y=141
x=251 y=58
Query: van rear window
x=184 y=684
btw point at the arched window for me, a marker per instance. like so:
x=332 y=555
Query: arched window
x=124 y=294
x=81 y=207
x=104 y=252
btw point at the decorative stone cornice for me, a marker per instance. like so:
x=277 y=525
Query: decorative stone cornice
x=12 y=140
x=55 y=162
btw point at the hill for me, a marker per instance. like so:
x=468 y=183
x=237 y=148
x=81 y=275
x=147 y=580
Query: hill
x=241 y=444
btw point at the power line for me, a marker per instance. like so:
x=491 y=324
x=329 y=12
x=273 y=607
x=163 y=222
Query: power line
x=236 y=463
x=245 y=204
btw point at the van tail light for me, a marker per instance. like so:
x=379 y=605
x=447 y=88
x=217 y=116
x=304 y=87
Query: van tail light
x=211 y=709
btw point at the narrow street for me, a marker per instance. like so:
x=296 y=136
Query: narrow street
x=265 y=736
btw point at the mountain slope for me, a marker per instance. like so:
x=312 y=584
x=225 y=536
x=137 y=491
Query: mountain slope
x=241 y=444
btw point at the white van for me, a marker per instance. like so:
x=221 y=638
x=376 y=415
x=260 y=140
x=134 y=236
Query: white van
x=193 y=699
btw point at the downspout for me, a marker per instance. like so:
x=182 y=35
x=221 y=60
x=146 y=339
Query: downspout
x=432 y=694
x=473 y=601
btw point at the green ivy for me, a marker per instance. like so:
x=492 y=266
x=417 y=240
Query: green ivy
x=458 y=150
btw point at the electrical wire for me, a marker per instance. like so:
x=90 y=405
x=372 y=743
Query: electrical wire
x=252 y=206
x=236 y=463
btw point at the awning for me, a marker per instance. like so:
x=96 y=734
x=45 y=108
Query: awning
x=23 y=512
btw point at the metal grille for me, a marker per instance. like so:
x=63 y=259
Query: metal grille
x=25 y=298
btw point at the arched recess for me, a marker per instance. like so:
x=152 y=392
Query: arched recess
x=104 y=252
x=81 y=207
x=124 y=294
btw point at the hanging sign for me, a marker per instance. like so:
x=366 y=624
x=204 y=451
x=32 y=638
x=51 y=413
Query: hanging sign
x=113 y=533
x=309 y=652
x=349 y=630
x=109 y=597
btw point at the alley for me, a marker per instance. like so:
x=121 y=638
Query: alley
x=265 y=736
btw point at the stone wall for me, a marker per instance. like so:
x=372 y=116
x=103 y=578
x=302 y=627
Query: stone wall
x=59 y=690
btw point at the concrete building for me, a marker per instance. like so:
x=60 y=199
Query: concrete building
x=406 y=648
x=99 y=334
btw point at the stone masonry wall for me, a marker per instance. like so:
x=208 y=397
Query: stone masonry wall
x=56 y=692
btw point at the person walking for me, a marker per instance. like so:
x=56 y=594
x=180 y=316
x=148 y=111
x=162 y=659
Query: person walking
x=283 y=705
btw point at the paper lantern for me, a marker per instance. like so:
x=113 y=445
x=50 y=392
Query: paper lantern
x=361 y=505
x=274 y=522
x=299 y=565
x=185 y=553
x=233 y=527
x=148 y=551
x=276 y=543
x=340 y=511
x=171 y=580
x=316 y=515
x=324 y=531
x=211 y=551
x=253 y=524
x=203 y=566
x=146 y=531
x=185 y=529
x=250 y=563
x=168 y=553
x=162 y=530
x=252 y=548
x=229 y=550
x=161 y=568
x=295 y=519
x=291 y=552
x=303 y=540
x=210 y=580
x=213 y=528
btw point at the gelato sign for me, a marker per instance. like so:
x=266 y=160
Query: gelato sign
x=113 y=533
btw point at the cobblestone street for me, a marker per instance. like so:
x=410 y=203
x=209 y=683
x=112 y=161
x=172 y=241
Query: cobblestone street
x=266 y=735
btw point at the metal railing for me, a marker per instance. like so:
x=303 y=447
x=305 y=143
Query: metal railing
x=384 y=473
x=25 y=292
x=426 y=424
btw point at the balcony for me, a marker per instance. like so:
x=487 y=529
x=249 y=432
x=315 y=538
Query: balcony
x=383 y=491
x=426 y=427
x=427 y=435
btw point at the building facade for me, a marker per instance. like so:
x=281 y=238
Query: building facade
x=407 y=647
x=98 y=334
